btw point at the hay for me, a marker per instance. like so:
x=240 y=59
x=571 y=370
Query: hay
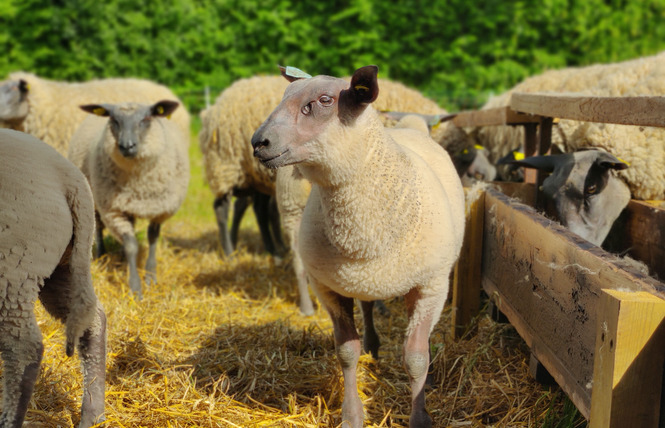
x=220 y=343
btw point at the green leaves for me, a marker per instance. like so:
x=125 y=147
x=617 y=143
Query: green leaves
x=454 y=50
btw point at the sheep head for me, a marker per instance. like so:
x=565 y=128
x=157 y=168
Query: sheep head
x=14 y=101
x=130 y=122
x=587 y=196
x=312 y=111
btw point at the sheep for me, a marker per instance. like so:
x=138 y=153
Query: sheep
x=385 y=216
x=46 y=230
x=137 y=163
x=49 y=109
x=226 y=129
x=641 y=147
x=588 y=197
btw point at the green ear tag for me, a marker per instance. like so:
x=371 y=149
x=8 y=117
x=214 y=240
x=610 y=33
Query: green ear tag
x=296 y=72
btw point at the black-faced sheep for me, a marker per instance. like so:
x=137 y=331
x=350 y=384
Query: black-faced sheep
x=46 y=232
x=137 y=163
x=385 y=217
x=50 y=111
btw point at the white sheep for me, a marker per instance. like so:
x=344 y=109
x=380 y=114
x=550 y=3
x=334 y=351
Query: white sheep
x=385 y=216
x=50 y=111
x=226 y=129
x=46 y=231
x=137 y=163
x=641 y=147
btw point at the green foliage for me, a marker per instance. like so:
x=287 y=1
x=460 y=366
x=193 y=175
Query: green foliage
x=454 y=50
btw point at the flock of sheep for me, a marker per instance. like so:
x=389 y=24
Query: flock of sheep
x=372 y=204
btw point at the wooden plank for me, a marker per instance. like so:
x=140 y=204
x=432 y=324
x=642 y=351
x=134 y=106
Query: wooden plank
x=547 y=280
x=493 y=116
x=642 y=111
x=640 y=232
x=628 y=363
x=467 y=273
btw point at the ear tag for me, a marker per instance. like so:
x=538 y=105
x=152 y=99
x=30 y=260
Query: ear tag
x=99 y=111
x=465 y=151
x=623 y=161
x=518 y=156
x=168 y=117
x=160 y=110
x=359 y=87
x=297 y=73
x=478 y=147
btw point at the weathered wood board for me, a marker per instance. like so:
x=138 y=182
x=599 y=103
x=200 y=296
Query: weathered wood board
x=494 y=116
x=641 y=111
x=547 y=280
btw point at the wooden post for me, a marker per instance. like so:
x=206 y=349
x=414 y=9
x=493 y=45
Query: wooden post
x=467 y=273
x=628 y=361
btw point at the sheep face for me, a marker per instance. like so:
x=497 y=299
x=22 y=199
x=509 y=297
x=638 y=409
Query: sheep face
x=588 y=198
x=14 y=101
x=129 y=123
x=309 y=108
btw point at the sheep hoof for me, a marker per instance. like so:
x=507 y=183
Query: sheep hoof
x=420 y=419
x=150 y=279
x=352 y=415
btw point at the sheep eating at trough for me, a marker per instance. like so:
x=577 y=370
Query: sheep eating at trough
x=588 y=197
x=49 y=109
x=385 y=216
x=137 y=163
x=46 y=232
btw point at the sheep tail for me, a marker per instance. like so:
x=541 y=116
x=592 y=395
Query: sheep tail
x=83 y=303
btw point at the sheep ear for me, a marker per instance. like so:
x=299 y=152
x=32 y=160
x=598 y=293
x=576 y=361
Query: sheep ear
x=546 y=163
x=164 y=108
x=96 y=109
x=23 y=86
x=292 y=74
x=364 y=84
x=608 y=161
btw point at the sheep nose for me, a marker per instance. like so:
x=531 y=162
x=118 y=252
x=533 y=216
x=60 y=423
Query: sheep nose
x=128 y=148
x=259 y=143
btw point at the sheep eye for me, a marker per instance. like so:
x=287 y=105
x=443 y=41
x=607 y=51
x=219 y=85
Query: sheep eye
x=306 y=109
x=325 y=100
x=590 y=190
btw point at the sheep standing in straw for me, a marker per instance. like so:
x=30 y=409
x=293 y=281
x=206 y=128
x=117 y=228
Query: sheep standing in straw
x=137 y=163
x=226 y=129
x=50 y=111
x=385 y=217
x=46 y=229
x=642 y=148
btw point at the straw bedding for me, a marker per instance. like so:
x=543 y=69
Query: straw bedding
x=220 y=343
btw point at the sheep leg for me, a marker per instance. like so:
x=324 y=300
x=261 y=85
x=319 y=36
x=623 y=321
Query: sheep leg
x=151 y=263
x=99 y=239
x=276 y=226
x=131 y=247
x=347 y=344
x=262 y=212
x=423 y=314
x=221 y=206
x=371 y=340
x=92 y=352
x=70 y=301
x=239 y=208
x=306 y=305
x=22 y=350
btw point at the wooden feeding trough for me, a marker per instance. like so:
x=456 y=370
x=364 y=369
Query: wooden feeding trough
x=591 y=319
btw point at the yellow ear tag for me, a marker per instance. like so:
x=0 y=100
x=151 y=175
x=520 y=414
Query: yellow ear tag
x=518 y=155
x=168 y=117
x=465 y=151
x=627 y=163
x=364 y=88
x=478 y=147
x=27 y=87
x=99 y=111
x=160 y=110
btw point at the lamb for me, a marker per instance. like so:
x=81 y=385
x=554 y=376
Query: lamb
x=137 y=163
x=226 y=129
x=588 y=197
x=641 y=147
x=385 y=216
x=49 y=110
x=46 y=229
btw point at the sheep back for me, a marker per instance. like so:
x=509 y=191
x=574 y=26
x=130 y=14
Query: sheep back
x=55 y=115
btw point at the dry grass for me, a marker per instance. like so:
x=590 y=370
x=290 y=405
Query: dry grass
x=220 y=343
